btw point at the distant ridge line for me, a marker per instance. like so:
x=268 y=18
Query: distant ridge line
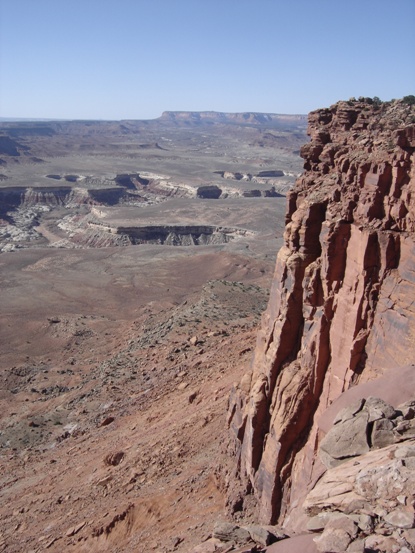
x=195 y=116
x=226 y=116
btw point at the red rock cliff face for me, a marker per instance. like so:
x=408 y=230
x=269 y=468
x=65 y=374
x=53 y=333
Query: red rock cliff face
x=341 y=309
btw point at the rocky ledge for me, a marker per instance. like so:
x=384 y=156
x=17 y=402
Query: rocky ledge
x=365 y=498
x=340 y=315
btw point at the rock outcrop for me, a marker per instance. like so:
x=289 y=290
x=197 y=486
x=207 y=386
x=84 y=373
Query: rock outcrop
x=341 y=307
x=12 y=198
x=365 y=499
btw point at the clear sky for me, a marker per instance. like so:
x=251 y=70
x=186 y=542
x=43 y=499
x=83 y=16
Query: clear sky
x=133 y=59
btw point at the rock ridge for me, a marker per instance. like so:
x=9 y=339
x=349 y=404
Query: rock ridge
x=245 y=118
x=340 y=311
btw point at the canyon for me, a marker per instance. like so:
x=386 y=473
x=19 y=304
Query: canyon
x=133 y=276
x=150 y=399
x=75 y=165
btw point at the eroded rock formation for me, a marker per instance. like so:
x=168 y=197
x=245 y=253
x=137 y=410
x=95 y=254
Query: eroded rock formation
x=341 y=307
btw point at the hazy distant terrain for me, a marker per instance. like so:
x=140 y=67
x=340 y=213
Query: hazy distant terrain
x=75 y=165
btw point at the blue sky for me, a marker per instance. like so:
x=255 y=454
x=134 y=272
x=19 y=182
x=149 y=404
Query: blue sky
x=133 y=59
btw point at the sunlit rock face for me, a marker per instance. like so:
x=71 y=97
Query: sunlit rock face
x=341 y=307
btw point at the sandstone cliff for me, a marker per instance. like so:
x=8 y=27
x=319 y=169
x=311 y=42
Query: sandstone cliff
x=341 y=310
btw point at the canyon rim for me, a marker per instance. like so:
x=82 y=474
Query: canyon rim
x=340 y=322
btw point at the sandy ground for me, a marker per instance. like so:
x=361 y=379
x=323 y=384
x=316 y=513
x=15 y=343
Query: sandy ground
x=114 y=393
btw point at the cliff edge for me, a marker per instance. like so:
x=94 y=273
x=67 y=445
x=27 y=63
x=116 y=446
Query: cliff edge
x=341 y=310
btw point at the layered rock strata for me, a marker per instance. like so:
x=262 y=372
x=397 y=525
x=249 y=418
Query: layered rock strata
x=341 y=307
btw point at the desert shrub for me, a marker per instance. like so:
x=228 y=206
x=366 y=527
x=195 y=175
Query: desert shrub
x=410 y=100
x=368 y=100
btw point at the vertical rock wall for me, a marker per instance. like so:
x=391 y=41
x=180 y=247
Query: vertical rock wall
x=341 y=308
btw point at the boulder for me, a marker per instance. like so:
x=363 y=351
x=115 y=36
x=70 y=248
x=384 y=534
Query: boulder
x=228 y=532
x=405 y=429
x=378 y=409
x=264 y=535
x=337 y=535
x=382 y=433
x=401 y=518
x=347 y=438
x=350 y=411
x=334 y=540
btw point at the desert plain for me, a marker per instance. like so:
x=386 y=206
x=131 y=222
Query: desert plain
x=136 y=259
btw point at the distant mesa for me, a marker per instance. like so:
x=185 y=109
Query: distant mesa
x=68 y=178
x=272 y=193
x=71 y=178
x=125 y=180
x=211 y=192
x=32 y=129
x=231 y=175
x=235 y=176
x=252 y=194
x=163 y=234
x=130 y=181
x=246 y=118
x=275 y=173
x=151 y=146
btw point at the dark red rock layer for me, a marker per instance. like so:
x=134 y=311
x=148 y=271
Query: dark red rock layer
x=341 y=309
